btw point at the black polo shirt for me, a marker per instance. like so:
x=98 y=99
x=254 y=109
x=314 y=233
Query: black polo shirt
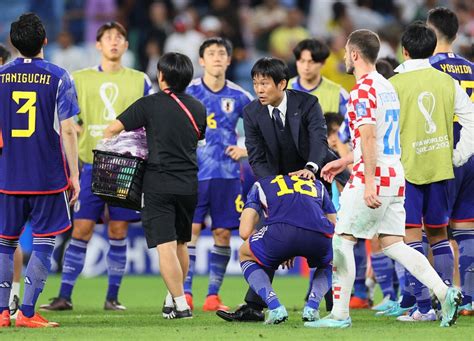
x=172 y=141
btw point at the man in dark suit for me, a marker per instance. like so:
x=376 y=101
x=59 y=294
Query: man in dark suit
x=285 y=133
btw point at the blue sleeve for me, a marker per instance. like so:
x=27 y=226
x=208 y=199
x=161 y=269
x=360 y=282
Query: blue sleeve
x=253 y=199
x=328 y=206
x=67 y=98
x=148 y=88
x=245 y=99
x=343 y=99
x=344 y=131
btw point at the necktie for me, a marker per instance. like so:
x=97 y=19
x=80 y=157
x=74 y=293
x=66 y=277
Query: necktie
x=278 y=120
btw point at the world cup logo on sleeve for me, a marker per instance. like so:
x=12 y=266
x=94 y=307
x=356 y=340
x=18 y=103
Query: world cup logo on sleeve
x=426 y=104
x=109 y=93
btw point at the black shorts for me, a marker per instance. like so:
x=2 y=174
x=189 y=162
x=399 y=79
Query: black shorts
x=168 y=217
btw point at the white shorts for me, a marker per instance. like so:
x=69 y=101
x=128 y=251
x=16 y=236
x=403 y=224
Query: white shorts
x=355 y=218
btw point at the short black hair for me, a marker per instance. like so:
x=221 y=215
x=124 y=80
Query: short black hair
x=27 y=34
x=333 y=118
x=215 y=41
x=385 y=68
x=419 y=40
x=4 y=53
x=177 y=70
x=367 y=42
x=319 y=50
x=271 y=67
x=445 y=21
x=109 y=26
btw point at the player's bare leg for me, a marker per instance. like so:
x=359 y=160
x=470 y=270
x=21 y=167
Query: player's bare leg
x=220 y=256
x=173 y=274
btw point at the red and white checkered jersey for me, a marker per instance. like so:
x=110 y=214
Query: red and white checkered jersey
x=373 y=100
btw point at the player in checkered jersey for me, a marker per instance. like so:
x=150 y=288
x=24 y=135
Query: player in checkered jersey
x=372 y=201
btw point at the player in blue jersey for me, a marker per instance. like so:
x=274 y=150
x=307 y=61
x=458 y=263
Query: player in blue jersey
x=445 y=24
x=38 y=164
x=299 y=221
x=219 y=189
x=104 y=92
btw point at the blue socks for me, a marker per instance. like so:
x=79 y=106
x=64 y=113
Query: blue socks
x=188 y=282
x=383 y=268
x=465 y=240
x=36 y=273
x=116 y=263
x=74 y=259
x=7 y=249
x=260 y=283
x=320 y=285
x=421 y=293
x=220 y=256
x=443 y=260
x=360 y=256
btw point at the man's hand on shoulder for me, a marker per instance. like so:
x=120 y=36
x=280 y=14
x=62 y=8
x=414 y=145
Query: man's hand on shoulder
x=304 y=173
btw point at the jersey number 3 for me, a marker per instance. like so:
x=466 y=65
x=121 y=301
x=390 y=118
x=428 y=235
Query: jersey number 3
x=27 y=108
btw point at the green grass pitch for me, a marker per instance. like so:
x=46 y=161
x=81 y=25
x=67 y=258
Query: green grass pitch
x=143 y=296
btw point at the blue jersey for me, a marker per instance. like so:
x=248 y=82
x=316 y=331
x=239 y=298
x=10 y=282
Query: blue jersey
x=35 y=96
x=461 y=70
x=224 y=108
x=292 y=200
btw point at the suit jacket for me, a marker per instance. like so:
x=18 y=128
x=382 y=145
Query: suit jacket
x=308 y=129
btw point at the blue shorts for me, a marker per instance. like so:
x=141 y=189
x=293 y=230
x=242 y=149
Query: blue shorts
x=427 y=204
x=48 y=214
x=462 y=193
x=223 y=199
x=273 y=244
x=89 y=206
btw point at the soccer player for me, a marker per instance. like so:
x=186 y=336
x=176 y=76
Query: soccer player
x=429 y=100
x=38 y=104
x=103 y=92
x=220 y=190
x=310 y=55
x=299 y=221
x=445 y=24
x=372 y=201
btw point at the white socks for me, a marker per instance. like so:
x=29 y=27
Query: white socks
x=343 y=276
x=418 y=266
x=14 y=291
x=181 y=303
x=169 y=300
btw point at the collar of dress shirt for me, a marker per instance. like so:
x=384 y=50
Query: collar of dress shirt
x=282 y=107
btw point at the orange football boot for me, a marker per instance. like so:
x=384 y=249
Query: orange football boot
x=5 y=319
x=189 y=300
x=358 y=303
x=37 y=321
x=214 y=303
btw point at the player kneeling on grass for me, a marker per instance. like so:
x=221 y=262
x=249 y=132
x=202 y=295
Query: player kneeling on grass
x=299 y=221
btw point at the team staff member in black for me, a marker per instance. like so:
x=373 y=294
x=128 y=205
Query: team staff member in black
x=174 y=122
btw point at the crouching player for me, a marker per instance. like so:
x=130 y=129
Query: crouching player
x=299 y=221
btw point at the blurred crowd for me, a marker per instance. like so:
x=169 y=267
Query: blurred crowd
x=255 y=27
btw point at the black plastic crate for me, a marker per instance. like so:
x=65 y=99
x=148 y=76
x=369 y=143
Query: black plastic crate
x=117 y=179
